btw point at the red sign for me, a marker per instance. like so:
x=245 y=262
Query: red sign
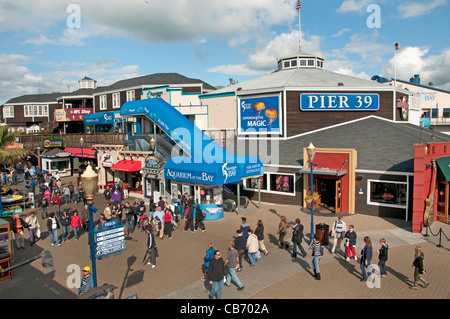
x=77 y=115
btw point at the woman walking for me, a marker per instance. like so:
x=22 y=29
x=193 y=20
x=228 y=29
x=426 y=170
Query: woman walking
x=383 y=257
x=419 y=268
x=167 y=222
x=259 y=232
x=366 y=257
x=209 y=255
x=282 y=231
x=252 y=247
x=75 y=222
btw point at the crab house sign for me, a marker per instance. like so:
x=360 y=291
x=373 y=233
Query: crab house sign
x=339 y=102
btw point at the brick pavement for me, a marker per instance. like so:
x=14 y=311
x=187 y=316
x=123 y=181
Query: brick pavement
x=275 y=276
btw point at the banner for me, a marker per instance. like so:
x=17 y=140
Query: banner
x=259 y=115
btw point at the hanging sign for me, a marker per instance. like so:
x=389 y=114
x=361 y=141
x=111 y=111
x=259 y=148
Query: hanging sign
x=259 y=115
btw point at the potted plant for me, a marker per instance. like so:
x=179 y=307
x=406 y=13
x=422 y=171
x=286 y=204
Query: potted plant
x=310 y=199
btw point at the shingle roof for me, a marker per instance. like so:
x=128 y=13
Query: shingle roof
x=381 y=144
x=153 y=79
x=35 y=98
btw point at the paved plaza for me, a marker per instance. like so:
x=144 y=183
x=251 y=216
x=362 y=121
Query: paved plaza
x=275 y=276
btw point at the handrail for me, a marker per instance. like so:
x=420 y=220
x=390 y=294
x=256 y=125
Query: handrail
x=440 y=233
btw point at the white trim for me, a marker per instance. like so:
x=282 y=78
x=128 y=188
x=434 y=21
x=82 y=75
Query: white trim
x=368 y=171
x=114 y=100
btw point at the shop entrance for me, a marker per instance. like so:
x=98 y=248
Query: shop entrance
x=443 y=201
x=330 y=191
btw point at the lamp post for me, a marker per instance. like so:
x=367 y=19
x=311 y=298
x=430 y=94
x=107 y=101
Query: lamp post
x=89 y=182
x=311 y=150
x=82 y=158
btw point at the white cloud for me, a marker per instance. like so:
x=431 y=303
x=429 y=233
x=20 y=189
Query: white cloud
x=16 y=79
x=341 y=32
x=415 y=9
x=355 y=6
x=416 y=60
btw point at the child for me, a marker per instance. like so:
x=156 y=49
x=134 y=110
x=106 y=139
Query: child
x=350 y=243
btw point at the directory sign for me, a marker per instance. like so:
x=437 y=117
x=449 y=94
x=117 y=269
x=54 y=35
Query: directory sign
x=109 y=240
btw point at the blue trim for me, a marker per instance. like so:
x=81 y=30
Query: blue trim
x=217 y=95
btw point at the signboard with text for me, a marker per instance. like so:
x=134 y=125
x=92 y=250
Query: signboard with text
x=109 y=240
x=339 y=102
x=259 y=115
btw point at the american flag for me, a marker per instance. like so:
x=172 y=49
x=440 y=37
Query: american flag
x=397 y=46
x=299 y=4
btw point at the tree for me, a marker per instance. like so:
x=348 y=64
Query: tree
x=9 y=155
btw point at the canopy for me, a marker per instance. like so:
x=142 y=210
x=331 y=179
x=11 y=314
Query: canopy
x=76 y=151
x=127 y=166
x=443 y=172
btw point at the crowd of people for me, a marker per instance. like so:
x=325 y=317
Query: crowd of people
x=162 y=218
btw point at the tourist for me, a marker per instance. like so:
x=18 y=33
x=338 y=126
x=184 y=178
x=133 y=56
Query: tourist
x=158 y=220
x=151 y=246
x=64 y=220
x=419 y=268
x=259 y=232
x=18 y=226
x=190 y=217
x=209 y=255
x=297 y=238
x=338 y=231
x=53 y=226
x=383 y=257
x=116 y=196
x=75 y=222
x=282 y=231
x=216 y=275
x=44 y=207
x=129 y=218
x=366 y=257
x=168 y=222
x=87 y=281
x=252 y=247
x=350 y=242
x=239 y=244
x=317 y=254
x=199 y=217
x=33 y=227
x=232 y=263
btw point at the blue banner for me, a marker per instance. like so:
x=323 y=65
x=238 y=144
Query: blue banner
x=260 y=115
x=100 y=118
x=339 y=102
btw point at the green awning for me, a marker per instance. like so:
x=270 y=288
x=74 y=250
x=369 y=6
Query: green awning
x=443 y=172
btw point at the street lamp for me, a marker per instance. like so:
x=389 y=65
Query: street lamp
x=89 y=182
x=311 y=151
x=82 y=158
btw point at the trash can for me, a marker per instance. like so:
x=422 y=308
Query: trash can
x=323 y=231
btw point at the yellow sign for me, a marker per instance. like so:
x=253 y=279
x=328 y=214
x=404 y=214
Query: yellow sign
x=61 y=115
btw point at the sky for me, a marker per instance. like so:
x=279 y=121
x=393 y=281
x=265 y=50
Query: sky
x=48 y=45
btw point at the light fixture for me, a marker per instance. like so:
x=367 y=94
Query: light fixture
x=89 y=182
x=311 y=150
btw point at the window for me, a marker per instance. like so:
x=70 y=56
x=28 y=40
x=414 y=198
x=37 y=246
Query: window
x=294 y=63
x=130 y=96
x=302 y=62
x=8 y=111
x=446 y=113
x=434 y=113
x=35 y=110
x=387 y=193
x=116 y=100
x=103 y=104
x=310 y=62
x=286 y=64
x=282 y=183
x=60 y=166
x=252 y=183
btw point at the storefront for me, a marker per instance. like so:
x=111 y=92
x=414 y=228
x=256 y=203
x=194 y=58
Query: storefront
x=56 y=160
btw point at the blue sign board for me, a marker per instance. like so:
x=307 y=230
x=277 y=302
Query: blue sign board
x=339 y=102
x=109 y=241
x=100 y=118
x=260 y=115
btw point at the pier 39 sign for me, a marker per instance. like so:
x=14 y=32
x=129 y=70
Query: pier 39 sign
x=339 y=102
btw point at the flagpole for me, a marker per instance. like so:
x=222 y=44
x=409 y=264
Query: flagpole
x=299 y=33
x=395 y=79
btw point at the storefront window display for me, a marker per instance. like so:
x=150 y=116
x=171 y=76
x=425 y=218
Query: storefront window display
x=282 y=183
x=252 y=183
x=387 y=193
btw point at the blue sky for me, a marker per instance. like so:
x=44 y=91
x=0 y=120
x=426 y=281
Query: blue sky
x=48 y=45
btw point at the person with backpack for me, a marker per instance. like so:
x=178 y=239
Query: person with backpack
x=199 y=217
x=209 y=255
x=317 y=252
